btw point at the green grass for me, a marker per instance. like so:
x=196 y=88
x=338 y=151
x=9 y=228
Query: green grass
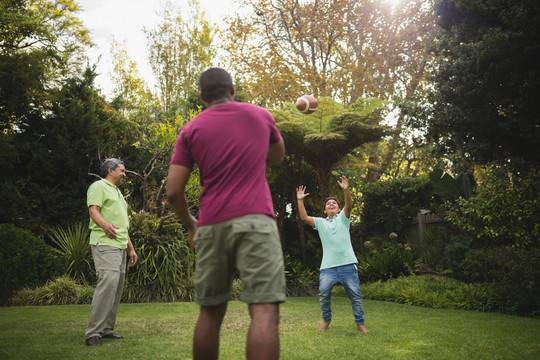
x=164 y=331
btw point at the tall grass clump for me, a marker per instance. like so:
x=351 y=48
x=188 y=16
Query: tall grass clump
x=73 y=244
x=61 y=291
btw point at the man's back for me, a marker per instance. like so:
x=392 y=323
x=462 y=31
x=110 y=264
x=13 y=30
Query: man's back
x=229 y=143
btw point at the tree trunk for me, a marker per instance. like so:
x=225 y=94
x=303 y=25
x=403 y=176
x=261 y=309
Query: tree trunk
x=324 y=182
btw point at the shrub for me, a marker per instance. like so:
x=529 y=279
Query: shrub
x=24 y=261
x=166 y=265
x=74 y=245
x=385 y=259
x=513 y=275
x=441 y=251
x=62 y=291
x=300 y=281
x=430 y=291
x=390 y=205
x=503 y=211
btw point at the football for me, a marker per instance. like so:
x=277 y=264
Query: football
x=307 y=104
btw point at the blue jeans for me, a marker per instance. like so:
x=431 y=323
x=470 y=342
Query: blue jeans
x=347 y=276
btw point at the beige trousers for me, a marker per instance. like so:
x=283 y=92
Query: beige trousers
x=110 y=263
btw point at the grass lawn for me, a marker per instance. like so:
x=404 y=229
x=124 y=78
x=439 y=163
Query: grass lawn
x=164 y=331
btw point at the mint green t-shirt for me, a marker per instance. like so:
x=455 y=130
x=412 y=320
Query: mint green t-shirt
x=336 y=241
x=113 y=209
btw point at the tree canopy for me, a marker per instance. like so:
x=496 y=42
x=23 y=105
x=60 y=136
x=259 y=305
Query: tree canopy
x=487 y=81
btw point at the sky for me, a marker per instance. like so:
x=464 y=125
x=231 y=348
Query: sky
x=124 y=20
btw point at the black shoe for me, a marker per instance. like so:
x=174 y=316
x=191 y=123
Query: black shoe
x=93 y=341
x=113 y=336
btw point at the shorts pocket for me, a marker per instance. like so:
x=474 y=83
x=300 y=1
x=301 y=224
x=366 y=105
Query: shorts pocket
x=253 y=224
x=204 y=232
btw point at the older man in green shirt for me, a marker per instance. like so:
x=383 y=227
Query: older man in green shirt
x=109 y=240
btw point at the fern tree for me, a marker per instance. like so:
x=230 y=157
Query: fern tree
x=317 y=143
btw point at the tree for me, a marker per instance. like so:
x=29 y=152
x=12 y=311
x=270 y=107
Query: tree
x=180 y=50
x=41 y=42
x=56 y=150
x=333 y=132
x=343 y=49
x=318 y=142
x=487 y=82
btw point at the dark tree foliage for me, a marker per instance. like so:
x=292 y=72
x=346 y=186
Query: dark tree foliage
x=487 y=83
x=52 y=153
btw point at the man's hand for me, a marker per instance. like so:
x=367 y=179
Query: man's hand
x=192 y=230
x=343 y=183
x=133 y=258
x=110 y=230
x=300 y=192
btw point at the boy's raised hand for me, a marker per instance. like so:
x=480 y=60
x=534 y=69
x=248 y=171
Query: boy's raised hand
x=343 y=182
x=300 y=192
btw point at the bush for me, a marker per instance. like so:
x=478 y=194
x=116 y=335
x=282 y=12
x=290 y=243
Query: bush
x=300 y=282
x=442 y=292
x=385 y=259
x=390 y=205
x=74 y=245
x=431 y=291
x=512 y=273
x=504 y=209
x=25 y=261
x=62 y=291
x=441 y=251
x=166 y=265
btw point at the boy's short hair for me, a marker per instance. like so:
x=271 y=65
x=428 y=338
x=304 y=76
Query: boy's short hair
x=326 y=200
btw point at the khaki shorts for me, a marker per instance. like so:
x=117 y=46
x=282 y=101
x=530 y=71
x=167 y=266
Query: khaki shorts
x=249 y=244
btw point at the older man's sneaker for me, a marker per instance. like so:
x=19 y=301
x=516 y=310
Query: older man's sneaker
x=93 y=341
x=113 y=336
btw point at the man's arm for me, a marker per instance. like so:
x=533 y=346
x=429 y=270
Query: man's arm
x=95 y=215
x=276 y=152
x=300 y=195
x=344 y=183
x=176 y=186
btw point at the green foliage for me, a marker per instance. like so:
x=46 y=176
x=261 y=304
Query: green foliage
x=24 y=261
x=503 y=211
x=300 y=281
x=61 y=291
x=74 y=245
x=513 y=273
x=390 y=205
x=432 y=291
x=166 y=265
x=484 y=99
x=55 y=151
x=447 y=186
x=384 y=260
x=325 y=137
x=180 y=48
x=40 y=42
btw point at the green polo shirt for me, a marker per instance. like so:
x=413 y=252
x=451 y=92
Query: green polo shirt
x=113 y=209
x=336 y=241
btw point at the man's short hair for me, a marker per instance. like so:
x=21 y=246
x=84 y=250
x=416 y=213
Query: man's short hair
x=214 y=83
x=110 y=163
